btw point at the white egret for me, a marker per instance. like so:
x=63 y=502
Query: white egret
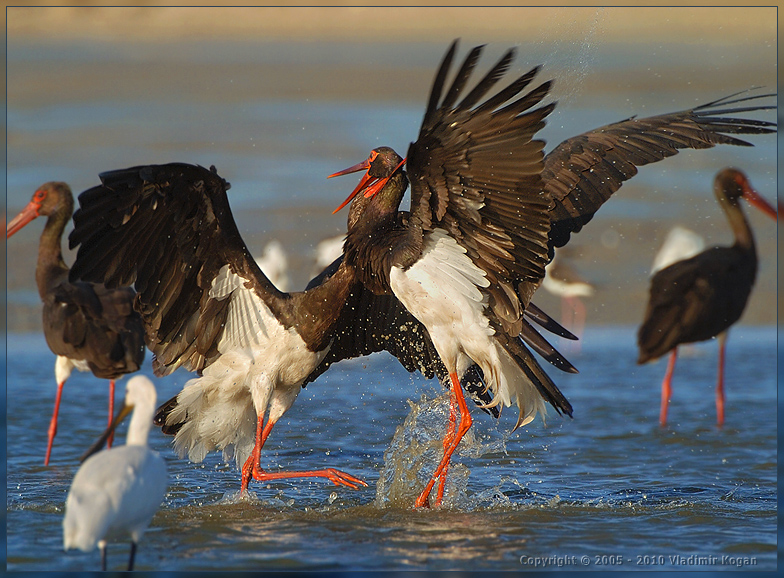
x=116 y=492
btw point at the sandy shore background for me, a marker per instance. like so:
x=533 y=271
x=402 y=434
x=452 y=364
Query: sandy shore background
x=325 y=21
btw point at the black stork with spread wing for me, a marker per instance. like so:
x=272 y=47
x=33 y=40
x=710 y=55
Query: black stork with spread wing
x=86 y=325
x=488 y=208
x=207 y=307
x=701 y=297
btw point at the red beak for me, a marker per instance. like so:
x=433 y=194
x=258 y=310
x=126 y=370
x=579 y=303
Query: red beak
x=755 y=199
x=29 y=213
x=364 y=165
x=372 y=184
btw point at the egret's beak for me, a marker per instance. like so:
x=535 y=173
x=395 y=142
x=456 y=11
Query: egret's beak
x=98 y=445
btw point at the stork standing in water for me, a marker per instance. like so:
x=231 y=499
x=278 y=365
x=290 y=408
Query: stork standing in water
x=488 y=208
x=702 y=297
x=86 y=325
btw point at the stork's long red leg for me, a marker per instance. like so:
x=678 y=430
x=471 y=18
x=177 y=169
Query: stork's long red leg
x=335 y=476
x=465 y=424
x=450 y=435
x=720 y=382
x=111 y=412
x=253 y=459
x=53 y=423
x=667 y=387
x=567 y=312
x=252 y=467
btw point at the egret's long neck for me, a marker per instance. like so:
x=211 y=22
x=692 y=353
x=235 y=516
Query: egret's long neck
x=141 y=421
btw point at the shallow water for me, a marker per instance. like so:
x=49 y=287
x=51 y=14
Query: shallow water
x=607 y=487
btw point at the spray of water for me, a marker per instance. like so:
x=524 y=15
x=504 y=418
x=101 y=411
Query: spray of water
x=415 y=452
x=571 y=46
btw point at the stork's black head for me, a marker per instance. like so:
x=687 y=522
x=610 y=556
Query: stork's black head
x=382 y=164
x=732 y=184
x=52 y=198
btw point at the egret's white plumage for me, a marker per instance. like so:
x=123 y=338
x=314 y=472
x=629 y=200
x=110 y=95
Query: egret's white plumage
x=116 y=492
x=327 y=251
x=275 y=264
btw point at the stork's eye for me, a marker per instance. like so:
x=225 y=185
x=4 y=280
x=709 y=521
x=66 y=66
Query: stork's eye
x=39 y=195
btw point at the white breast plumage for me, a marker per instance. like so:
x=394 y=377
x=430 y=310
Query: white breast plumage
x=443 y=289
x=262 y=366
x=443 y=276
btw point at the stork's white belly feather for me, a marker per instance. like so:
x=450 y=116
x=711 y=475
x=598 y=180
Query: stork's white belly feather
x=443 y=290
x=261 y=368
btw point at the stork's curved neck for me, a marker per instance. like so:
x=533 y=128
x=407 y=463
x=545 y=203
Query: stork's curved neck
x=379 y=236
x=744 y=238
x=319 y=308
x=51 y=270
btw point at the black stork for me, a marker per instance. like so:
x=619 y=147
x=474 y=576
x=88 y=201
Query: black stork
x=207 y=307
x=86 y=325
x=488 y=208
x=699 y=298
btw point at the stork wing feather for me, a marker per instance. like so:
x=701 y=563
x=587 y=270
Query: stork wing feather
x=168 y=230
x=582 y=172
x=695 y=299
x=475 y=171
x=88 y=321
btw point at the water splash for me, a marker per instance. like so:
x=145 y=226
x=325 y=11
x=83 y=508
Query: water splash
x=569 y=41
x=249 y=497
x=415 y=452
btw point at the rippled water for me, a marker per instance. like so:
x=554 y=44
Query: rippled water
x=609 y=485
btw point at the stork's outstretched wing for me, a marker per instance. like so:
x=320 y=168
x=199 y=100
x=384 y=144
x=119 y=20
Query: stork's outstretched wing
x=168 y=231
x=582 y=172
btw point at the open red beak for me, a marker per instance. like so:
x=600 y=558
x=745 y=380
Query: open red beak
x=755 y=199
x=364 y=165
x=29 y=213
x=372 y=185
